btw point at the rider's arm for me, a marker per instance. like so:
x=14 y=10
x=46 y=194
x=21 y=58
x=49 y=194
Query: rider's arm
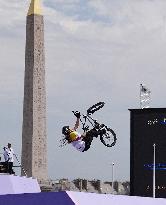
x=77 y=124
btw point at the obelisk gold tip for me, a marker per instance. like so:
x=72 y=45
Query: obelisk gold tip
x=35 y=8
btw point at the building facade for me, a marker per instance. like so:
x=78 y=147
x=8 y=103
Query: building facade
x=148 y=128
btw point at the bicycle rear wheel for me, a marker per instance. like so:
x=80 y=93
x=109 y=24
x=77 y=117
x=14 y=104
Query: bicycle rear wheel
x=109 y=138
x=95 y=107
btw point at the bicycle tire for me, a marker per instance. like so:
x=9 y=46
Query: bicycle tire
x=95 y=107
x=109 y=138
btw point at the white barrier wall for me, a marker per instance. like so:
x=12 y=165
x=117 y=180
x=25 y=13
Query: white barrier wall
x=10 y=184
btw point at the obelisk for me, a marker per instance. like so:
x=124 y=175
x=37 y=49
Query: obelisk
x=34 y=138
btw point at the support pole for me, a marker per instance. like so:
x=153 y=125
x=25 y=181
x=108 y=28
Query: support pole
x=154 y=170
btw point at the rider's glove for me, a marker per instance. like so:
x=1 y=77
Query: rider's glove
x=77 y=114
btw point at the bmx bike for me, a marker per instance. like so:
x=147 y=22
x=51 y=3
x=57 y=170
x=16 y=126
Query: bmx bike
x=106 y=134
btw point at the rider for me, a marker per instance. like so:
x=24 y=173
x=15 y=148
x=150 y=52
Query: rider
x=81 y=142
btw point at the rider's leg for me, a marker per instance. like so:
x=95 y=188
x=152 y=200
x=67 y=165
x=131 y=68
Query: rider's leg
x=87 y=145
x=88 y=138
x=93 y=132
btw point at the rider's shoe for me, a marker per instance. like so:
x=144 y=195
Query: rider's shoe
x=102 y=132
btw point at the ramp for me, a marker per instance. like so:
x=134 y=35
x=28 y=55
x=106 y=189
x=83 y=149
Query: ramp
x=82 y=198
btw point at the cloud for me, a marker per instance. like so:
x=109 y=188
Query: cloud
x=99 y=59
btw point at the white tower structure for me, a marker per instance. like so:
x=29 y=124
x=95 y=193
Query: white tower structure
x=144 y=97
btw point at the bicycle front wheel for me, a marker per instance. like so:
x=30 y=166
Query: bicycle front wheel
x=95 y=107
x=109 y=138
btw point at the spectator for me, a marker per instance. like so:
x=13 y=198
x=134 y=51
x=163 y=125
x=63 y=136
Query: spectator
x=9 y=158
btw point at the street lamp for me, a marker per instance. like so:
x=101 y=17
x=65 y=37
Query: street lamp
x=113 y=176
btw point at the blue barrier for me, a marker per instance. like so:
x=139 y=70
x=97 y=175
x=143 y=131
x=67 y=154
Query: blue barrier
x=50 y=198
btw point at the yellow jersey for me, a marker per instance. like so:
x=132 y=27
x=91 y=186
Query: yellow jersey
x=73 y=135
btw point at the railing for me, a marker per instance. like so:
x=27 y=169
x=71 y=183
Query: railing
x=3 y=165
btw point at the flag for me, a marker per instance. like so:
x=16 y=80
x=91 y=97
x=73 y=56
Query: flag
x=144 y=89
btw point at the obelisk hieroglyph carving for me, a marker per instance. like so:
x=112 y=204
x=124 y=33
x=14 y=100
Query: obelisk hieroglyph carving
x=34 y=139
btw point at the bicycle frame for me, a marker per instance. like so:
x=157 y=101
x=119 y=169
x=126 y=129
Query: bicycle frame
x=89 y=119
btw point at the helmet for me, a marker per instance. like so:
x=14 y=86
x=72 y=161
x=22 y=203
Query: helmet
x=65 y=130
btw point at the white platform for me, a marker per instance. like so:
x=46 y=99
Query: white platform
x=82 y=198
x=10 y=184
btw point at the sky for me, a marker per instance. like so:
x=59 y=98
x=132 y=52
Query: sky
x=96 y=50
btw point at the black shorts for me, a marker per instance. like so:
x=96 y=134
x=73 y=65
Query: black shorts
x=89 y=138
